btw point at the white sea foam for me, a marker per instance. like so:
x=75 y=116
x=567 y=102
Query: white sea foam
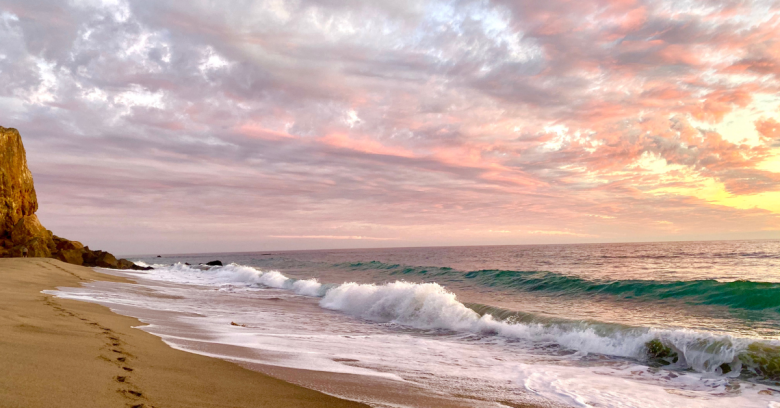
x=431 y=306
x=203 y=275
x=633 y=386
x=308 y=287
x=232 y=275
x=273 y=279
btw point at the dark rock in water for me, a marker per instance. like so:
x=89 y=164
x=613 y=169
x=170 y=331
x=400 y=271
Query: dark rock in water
x=101 y=259
x=141 y=268
x=159 y=256
x=188 y=264
x=21 y=233
x=214 y=263
x=763 y=359
x=661 y=353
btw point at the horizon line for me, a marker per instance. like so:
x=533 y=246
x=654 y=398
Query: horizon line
x=445 y=246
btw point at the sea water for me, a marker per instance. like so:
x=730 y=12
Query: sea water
x=604 y=325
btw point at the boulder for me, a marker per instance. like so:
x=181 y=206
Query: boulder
x=89 y=256
x=106 y=260
x=28 y=232
x=214 y=263
x=71 y=256
x=63 y=244
x=38 y=247
x=27 y=228
x=124 y=264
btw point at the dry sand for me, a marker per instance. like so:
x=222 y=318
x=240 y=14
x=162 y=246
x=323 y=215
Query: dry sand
x=64 y=353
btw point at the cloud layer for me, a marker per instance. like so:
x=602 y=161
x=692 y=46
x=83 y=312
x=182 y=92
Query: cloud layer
x=157 y=126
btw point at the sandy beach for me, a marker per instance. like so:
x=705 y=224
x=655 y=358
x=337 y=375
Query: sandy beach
x=63 y=353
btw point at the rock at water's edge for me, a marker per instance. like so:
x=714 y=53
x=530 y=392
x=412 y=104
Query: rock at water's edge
x=71 y=256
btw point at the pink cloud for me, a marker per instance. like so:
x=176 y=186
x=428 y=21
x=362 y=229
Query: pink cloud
x=543 y=113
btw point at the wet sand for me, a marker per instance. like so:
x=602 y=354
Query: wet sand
x=64 y=353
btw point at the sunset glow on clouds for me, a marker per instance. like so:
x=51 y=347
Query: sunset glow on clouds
x=163 y=126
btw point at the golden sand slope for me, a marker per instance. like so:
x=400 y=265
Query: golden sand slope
x=64 y=353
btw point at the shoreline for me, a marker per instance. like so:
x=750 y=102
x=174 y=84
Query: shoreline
x=182 y=335
x=64 y=353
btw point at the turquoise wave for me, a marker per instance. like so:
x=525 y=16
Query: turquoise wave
x=742 y=294
x=738 y=294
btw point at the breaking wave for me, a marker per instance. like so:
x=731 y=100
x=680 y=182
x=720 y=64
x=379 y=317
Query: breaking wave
x=430 y=306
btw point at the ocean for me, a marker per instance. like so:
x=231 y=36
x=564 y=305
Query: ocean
x=604 y=325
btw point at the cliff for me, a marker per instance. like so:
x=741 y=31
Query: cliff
x=21 y=234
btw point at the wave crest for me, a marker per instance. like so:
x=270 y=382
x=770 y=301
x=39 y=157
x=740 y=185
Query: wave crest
x=422 y=306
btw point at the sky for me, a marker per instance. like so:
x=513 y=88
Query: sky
x=204 y=126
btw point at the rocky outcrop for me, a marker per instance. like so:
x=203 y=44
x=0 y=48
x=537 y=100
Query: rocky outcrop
x=18 y=224
x=21 y=234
